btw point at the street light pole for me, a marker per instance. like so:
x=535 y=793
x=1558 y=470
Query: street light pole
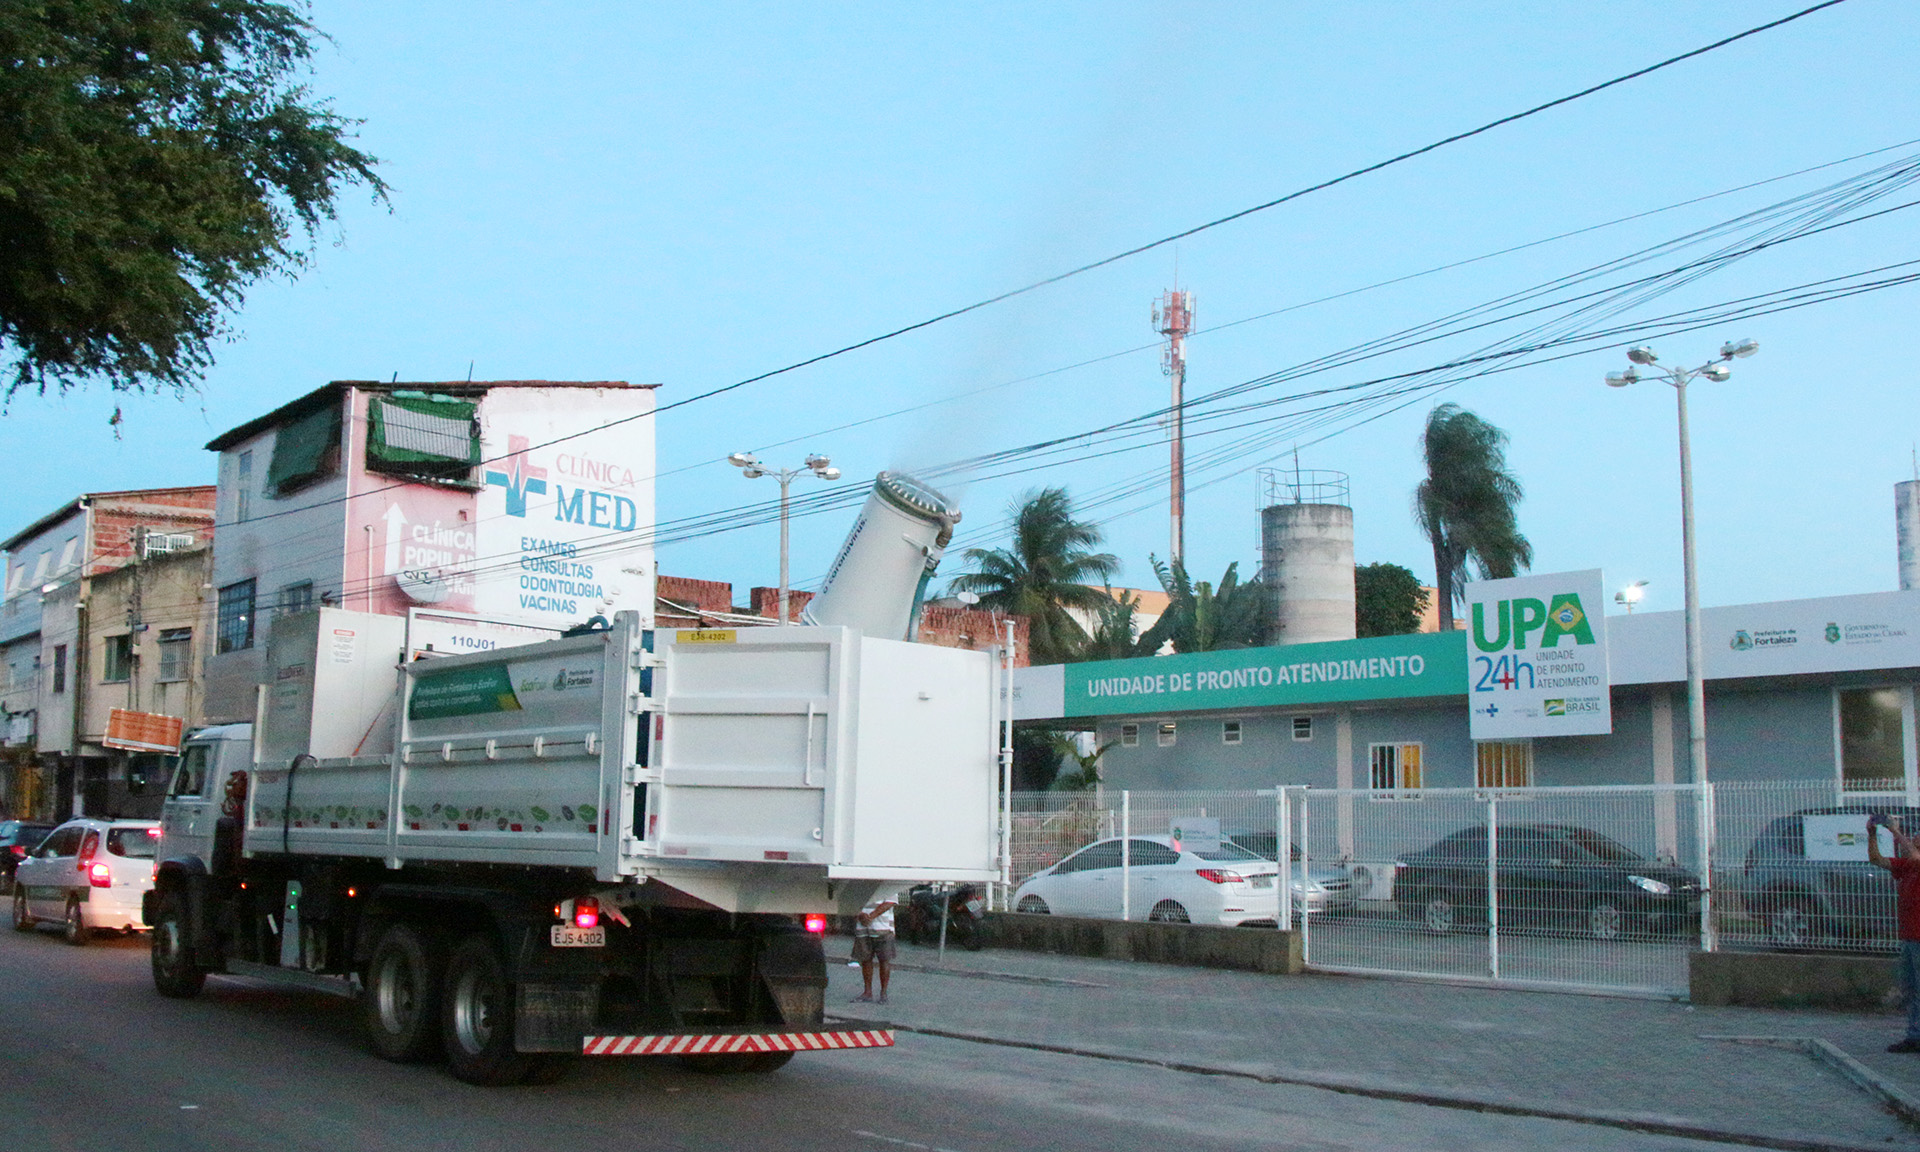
x=1715 y=370
x=750 y=466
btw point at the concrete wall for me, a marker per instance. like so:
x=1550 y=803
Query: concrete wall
x=1198 y=945
x=1793 y=980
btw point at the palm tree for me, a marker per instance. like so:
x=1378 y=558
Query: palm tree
x=1466 y=504
x=1113 y=637
x=1203 y=618
x=1048 y=569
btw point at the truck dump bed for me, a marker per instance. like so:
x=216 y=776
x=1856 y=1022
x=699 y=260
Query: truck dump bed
x=752 y=769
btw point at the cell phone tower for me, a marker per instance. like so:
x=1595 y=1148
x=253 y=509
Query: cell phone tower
x=1173 y=318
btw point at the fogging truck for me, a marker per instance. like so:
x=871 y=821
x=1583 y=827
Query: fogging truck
x=620 y=842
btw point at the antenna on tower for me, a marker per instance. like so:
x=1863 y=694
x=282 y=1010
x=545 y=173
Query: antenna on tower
x=1173 y=318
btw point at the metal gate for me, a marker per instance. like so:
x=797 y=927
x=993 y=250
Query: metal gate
x=1601 y=888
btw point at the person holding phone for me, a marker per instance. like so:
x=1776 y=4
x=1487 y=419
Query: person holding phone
x=1905 y=866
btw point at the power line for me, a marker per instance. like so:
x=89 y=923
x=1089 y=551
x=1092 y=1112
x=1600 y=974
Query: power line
x=1143 y=248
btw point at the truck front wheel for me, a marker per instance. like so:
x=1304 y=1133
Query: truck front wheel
x=174 y=972
x=401 y=1000
x=476 y=1017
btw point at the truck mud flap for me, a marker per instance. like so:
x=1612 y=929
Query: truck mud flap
x=553 y=1017
x=720 y=1043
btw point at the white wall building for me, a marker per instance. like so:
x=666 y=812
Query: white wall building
x=503 y=510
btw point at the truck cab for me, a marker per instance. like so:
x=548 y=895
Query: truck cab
x=190 y=818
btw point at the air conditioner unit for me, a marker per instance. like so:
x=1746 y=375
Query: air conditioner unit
x=157 y=542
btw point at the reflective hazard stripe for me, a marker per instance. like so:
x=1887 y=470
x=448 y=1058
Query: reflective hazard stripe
x=729 y=1042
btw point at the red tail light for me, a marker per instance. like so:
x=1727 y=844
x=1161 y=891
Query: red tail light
x=1218 y=875
x=586 y=912
x=816 y=924
x=19 y=849
x=99 y=875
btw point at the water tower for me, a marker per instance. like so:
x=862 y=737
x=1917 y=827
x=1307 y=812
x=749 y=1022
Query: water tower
x=1306 y=554
x=1906 y=511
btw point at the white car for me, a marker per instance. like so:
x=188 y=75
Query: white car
x=89 y=875
x=1227 y=885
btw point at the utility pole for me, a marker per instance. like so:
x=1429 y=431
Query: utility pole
x=135 y=625
x=1173 y=318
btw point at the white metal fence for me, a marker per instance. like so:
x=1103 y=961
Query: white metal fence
x=1593 y=888
x=1789 y=872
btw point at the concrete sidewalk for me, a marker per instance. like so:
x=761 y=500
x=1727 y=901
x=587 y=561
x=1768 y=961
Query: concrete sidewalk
x=1618 y=1060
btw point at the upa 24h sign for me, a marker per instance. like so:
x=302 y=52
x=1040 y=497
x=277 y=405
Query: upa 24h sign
x=1537 y=657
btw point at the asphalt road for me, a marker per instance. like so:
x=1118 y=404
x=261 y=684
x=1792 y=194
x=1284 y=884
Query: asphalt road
x=96 y=1060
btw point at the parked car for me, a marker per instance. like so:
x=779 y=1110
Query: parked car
x=1227 y=885
x=1806 y=903
x=17 y=838
x=89 y=875
x=1328 y=889
x=1549 y=875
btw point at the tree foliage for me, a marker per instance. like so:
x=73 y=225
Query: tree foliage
x=1387 y=600
x=157 y=157
x=1047 y=569
x=1084 y=773
x=1113 y=637
x=1203 y=618
x=1036 y=759
x=1466 y=504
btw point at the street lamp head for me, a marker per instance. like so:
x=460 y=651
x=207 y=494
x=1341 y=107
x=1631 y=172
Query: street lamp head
x=1641 y=355
x=1622 y=379
x=827 y=473
x=1717 y=372
x=817 y=461
x=1741 y=348
x=753 y=471
x=744 y=460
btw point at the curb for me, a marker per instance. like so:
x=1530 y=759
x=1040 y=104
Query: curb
x=1897 y=1099
x=1630 y=1122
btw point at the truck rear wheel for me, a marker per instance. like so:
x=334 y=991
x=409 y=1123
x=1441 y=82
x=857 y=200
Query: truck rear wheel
x=476 y=1017
x=401 y=1000
x=174 y=972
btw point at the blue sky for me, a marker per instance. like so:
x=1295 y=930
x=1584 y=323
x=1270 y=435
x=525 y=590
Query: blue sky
x=696 y=195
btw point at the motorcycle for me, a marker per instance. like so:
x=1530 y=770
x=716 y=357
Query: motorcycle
x=963 y=906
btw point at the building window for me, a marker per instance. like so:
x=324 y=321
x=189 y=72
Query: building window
x=1872 y=738
x=1394 y=767
x=59 y=667
x=1230 y=732
x=243 y=487
x=1167 y=734
x=296 y=597
x=1503 y=764
x=176 y=654
x=1303 y=727
x=305 y=450
x=117 y=667
x=235 y=623
x=1129 y=735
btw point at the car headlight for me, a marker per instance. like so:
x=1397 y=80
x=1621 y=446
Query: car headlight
x=1309 y=886
x=1648 y=884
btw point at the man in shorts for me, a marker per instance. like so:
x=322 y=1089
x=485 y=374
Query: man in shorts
x=873 y=946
